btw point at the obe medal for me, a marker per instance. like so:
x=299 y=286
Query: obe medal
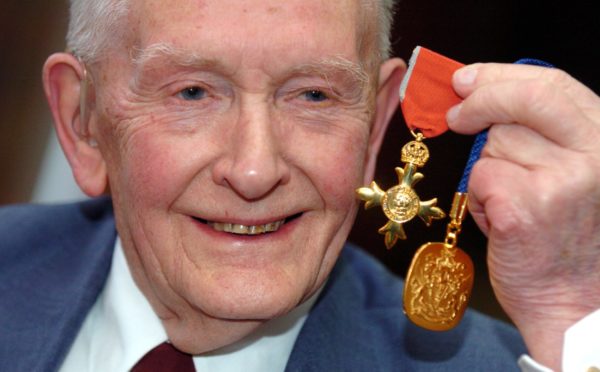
x=401 y=203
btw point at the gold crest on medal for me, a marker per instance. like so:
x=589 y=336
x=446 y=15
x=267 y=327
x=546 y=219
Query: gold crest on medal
x=440 y=278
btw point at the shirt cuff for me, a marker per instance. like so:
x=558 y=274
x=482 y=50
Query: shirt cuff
x=529 y=365
x=580 y=351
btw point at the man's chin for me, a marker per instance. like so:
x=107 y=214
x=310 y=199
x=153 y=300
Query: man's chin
x=253 y=305
x=254 y=292
x=198 y=339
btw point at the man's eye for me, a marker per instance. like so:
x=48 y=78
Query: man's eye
x=315 y=95
x=192 y=93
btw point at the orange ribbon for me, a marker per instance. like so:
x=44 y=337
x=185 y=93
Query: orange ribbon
x=426 y=92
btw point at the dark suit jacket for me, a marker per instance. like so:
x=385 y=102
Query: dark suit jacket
x=54 y=261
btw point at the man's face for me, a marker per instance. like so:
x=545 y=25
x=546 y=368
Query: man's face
x=233 y=150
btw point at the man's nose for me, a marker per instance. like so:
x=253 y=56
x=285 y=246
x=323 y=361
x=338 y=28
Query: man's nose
x=253 y=165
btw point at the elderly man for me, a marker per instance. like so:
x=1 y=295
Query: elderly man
x=231 y=137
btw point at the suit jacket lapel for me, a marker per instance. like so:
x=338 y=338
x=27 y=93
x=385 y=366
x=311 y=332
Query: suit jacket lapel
x=335 y=337
x=60 y=258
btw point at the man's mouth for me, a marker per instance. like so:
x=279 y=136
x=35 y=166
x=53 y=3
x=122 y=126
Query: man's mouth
x=246 y=230
x=236 y=228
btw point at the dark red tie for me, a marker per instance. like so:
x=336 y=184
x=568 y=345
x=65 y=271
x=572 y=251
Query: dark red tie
x=165 y=358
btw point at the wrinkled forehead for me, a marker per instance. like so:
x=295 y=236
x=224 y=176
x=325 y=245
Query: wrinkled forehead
x=273 y=29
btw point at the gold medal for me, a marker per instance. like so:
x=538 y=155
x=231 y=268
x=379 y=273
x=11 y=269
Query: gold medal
x=440 y=278
x=401 y=203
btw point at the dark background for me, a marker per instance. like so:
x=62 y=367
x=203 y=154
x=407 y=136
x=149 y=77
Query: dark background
x=563 y=33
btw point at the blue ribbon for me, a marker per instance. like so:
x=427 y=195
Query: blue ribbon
x=481 y=138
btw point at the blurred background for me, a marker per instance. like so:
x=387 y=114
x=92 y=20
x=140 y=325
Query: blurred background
x=563 y=33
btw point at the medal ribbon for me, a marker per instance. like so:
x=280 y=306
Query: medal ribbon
x=426 y=92
x=426 y=95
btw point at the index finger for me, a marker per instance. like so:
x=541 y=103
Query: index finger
x=468 y=78
x=542 y=106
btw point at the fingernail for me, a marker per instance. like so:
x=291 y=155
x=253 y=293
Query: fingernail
x=466 y=76
x=452 y=114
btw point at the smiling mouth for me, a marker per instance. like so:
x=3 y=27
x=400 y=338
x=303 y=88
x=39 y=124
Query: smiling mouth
x=239 y=229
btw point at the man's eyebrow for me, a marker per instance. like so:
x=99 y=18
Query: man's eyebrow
x=328 y=67
x=158 y=54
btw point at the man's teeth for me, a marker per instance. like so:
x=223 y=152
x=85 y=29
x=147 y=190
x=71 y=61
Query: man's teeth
x=246 y=230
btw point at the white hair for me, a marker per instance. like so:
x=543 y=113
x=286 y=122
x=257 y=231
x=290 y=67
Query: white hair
x=94 y=25
x=385 y=18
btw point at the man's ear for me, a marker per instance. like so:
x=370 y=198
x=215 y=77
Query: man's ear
x=64 y=77
x=391 y=73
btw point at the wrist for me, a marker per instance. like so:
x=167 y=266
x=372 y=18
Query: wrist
x=544 y=334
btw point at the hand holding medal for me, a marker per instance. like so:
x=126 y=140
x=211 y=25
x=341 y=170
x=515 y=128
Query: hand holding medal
x=535 y=194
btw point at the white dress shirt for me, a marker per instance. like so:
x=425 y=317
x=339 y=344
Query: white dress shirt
x=122 y=327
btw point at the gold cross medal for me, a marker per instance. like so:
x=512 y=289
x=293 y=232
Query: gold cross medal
x=401 y=203
x=439 y=280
